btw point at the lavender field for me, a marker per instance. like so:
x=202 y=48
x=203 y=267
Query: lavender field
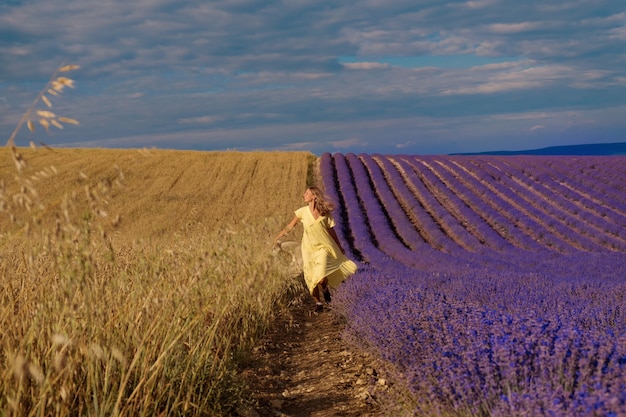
x=490 y=285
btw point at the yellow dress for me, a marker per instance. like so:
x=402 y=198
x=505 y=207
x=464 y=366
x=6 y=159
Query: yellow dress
x=321 y=257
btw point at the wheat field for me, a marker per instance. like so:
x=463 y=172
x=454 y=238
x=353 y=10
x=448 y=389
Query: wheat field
x=135 y=281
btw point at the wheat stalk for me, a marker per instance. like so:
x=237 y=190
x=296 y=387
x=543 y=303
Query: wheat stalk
x=54 y=87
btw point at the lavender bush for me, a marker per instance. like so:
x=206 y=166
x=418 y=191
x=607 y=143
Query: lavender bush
x=491 y=286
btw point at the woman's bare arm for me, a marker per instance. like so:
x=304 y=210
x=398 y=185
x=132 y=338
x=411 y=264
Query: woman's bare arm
x=287 y=228
x=333 y=234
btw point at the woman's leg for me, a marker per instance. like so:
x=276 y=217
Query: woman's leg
x=316 y=294
x=316 y=291
x=324 y=283
x=326 y=291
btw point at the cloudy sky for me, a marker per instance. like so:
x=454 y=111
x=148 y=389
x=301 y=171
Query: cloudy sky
x=374 y=76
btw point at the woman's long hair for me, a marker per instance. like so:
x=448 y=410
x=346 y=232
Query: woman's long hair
x=322 y=205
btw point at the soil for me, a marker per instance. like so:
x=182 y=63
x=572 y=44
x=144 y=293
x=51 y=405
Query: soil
x=303 y=367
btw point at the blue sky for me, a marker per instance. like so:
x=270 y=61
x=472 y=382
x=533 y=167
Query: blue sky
x=375 y=76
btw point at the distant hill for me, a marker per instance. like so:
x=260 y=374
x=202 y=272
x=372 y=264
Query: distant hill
x=618 y=148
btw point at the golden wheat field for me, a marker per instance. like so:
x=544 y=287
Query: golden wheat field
x=134 y=281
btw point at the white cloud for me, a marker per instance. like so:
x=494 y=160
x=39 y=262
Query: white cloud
x=406 y=144
x=199 y=120
x=264 y=73
x=521 y=116
x=524 y=78
x=494 y=87
x=513 y=28
x=348 y=143
x=620 y=80
x=365 y=65
x=480 y=4
x=300 y=146
x=502 y=66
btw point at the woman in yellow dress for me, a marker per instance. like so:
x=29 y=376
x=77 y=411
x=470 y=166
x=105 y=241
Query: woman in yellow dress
x=324 y=262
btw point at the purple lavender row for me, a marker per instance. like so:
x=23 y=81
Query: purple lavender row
x=364 y=239
x=393 y=189
x=598 y=205
x=593 y=194
x=444 y=219
x=485 y=338
x=523 y=215
x=544 y=229
x=342 y=221
x=538 y=184
x=582 y=290
x=606 y=170
x=450 y=352
x=386 y=194
x=463 y=201
x=448 y=219
x=416 y=207
x=604 y=232
x=594 y=206
x=504 y=218
x=617 y=170
x=445 y=347
x=490 y=206
x=416 y=252
x=378 y=220
x=585 y=291
x=608 y=178
x=345 y=189
x=501 y=217
x=459 y=212
x=507 y=228
x=601 y=182
x=386 y=177
x=551 y=217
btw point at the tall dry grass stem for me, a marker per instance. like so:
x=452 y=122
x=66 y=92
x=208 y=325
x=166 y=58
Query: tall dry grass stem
x=134 y=283
x=103 y=318
x=54 y=87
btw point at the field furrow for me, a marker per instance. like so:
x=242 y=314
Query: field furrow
x=365 y=241
x=451 y=202
x=533 y=322
x=510 y=220
x=343 y=228
x=560 y=205
x=567 y=185
x=377 y=217
x=582 y=173
x=414 y=207
x=488 y=220
x=398 y=217
x=419 y=185
x=548 y=225
x=472 y=208
x=553 y=216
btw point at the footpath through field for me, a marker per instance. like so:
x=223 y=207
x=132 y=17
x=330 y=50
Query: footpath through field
x=304 y=368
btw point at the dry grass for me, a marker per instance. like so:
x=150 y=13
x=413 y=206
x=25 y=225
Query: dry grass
x=160 y=193
x=132 y=282
x=54 y=87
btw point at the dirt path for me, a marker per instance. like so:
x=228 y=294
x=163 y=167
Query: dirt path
x=304 y=368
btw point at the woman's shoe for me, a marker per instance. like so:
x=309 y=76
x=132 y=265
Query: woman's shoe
x=327 y=295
